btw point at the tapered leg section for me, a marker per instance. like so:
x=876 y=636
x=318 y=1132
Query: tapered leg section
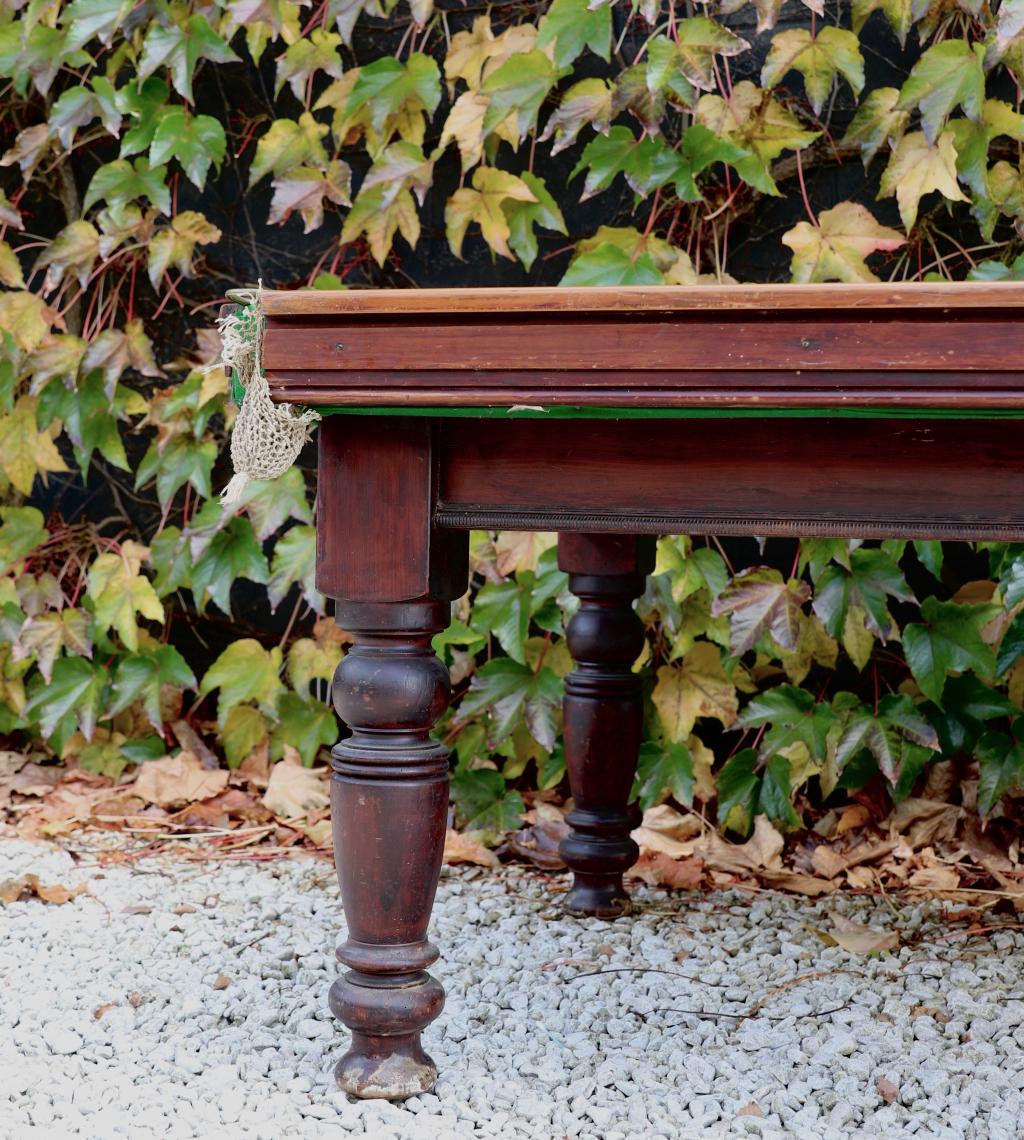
x=603 y=714
x=389 y=801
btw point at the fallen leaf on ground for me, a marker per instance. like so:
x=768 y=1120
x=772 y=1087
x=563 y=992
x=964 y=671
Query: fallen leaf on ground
x=762 y=851
x=135 y=999
x=174 y=781
x=191 y=741
x=660 y=870
x=140 y=909
x=937 y=1015
x=887 y=1090
x=221 y=982
x=319 y=833
x=830 y=863
x=11 y=762
x=100 y=1010
x=665 y=830
x=28 y=885
x=852 y=817
x=751 y=1109
x=294 y=790
x=855 y=937
x=922 y=823
x=30 y=780
x=461 y=847
x=935 y=879
x=539 y=842
x=255 y=768
x=798 y=883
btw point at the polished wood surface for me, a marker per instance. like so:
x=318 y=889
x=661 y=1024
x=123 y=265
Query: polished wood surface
x=932 y=370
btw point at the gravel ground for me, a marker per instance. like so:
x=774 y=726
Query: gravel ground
x=524 y=1049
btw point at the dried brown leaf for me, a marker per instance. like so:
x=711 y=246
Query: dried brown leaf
x=28 y=885
x=887 y=1090
x=922 y=823
x=856 y=938
x=174 y=781
x=660 y=870
x=762 y=851
x=462 y=847
x=295 y=790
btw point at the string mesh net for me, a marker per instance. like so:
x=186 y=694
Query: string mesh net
x=267 y=437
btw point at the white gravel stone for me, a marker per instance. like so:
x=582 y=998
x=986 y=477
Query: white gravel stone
x=110 y=1025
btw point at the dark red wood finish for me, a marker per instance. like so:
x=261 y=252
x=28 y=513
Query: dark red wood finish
x=397 y=497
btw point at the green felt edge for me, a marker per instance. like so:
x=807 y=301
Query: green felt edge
x=585 y=412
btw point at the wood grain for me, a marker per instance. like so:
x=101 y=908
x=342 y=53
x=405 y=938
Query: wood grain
x=666 y=298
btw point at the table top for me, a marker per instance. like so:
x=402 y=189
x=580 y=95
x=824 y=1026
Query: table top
x=674 y=350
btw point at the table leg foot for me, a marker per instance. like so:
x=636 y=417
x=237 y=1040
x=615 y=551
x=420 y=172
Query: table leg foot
x=389 y=803
x=603 y=715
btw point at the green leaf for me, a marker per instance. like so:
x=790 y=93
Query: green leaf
x=118 y=591
x=305 y=724
x=90 y=420
x=233 y=553
x=386 y=86
x=304 y=58
x=698 y=40
x=294 y=564
x=483 y=803
x=949 y=74
x=967 y=704
x=609 y=264
x=795 y=716
x=1011 y=648
x=899 y=13
x=775 y=793
x=1000 y=765
x=876 y=122
x=141 y=677
x=738 y=785
x=573 y=25
x=245 y=673
x=287 y=145
x=503 y=608
x=244 y=729
x=179 y=48
x=196 y=141
x=145 y=104
x=121 y=182
x=172 y=561
x=589 y=101
x=664 y=769
x=819 y=58
x=269 y=503
x=646 y=164
x=100 y=18
x=759 y=601
x=948 y=641
x=21 y=532
x=510 y=693
x=871 y=578
x=73 y=697
x=893 y=736
x=385 y=203
x=523 y=216
x=182 y=460
x=517 y=89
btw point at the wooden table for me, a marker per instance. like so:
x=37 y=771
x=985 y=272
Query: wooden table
x=610 y=416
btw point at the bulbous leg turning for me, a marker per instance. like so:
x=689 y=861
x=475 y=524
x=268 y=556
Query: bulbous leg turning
x=603 y=715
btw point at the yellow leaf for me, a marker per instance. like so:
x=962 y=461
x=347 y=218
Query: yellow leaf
x=834 y=249
x=483 y=204
x=917 y=168
x=858 y=640
x=26 y=317
x=694 y=687
x=465 y=127
x=118 y=591
x=10 y=268
x=25 y=451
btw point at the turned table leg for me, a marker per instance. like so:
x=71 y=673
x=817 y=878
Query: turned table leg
x=389 y=803
x=393 y=575
x=603 y=713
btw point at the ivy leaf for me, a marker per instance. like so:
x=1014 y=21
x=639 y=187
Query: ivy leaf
x=646 y=164
x=503 y=608
x=610 y=264
x=695 y=687
x=305 y=57
x=287 y=145
x=968 y=704
x=972 y=141
x=511 y=693
x=80 y=105
x=917 y=168
x=759 y=601
x=10 y=268
x=176 y=244
x=245 y=673
x=484 y=804
x=179 y=48
x=120 y=182
x=118 y=591
x=73 y=697
x=738 y=785
x=385 y=202
x=294 y=564
x=44 y=635
x=22 y=530
x=949 y=74
x=1000 y=765
x=664 y=769
x=465 y=127
x=303 y=723
x=484 y=203
x=72 y=252
x=867 y=581
x=305 y=189
x=834 y=249
x=244 y=729
x=141 y=678
x=90 y=420
x=172 y=561
x=233 y=553
x=146 y=104
x=26 y=452
x=388 y=87
x=795 y=717
x=196 y=141
x=699 y=40
x=948 y=641
x=86 y=19
x=516 y=90
x=572 y=25
x=899 y=13
x=819 y=58
x=523 y=216
x=271 y=502
x=589 y=101
x=876 y=122
x=894 y=736
x=179 y=461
